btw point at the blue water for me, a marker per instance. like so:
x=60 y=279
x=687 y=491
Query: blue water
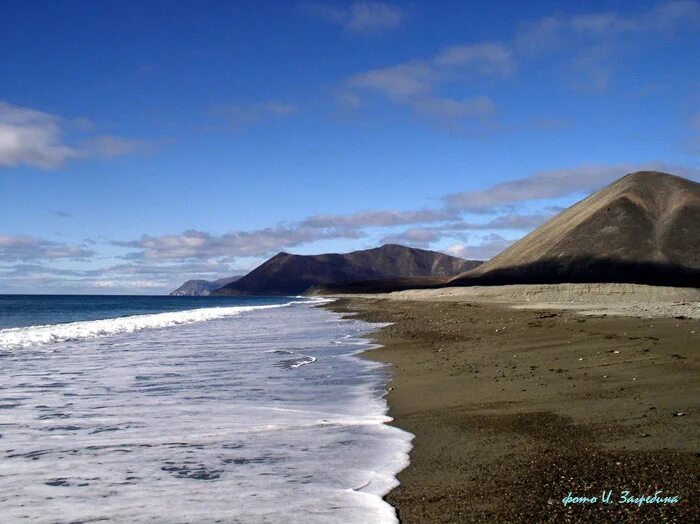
x=39 y=310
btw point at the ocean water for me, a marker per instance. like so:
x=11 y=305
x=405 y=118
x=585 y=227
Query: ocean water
x=164 y=409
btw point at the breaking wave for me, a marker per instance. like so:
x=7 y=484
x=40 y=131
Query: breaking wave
x=14 y=338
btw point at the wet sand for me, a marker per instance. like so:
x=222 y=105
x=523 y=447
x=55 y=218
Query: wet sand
x=514 y=409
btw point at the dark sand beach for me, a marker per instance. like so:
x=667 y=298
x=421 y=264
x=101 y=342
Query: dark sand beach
x=514 y=409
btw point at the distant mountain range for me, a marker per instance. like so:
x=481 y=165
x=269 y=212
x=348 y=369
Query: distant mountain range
x=201 y=288
x=286 y=274
x=643 y=228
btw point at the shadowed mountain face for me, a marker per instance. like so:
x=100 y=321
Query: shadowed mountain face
x=644 y=228
x=201 y=288
x=286 y=274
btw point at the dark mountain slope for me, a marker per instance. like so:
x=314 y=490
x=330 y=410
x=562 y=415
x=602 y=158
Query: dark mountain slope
x=644 y=228
x=286 y=274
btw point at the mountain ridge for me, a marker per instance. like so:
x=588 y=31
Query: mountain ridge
x=288 y=274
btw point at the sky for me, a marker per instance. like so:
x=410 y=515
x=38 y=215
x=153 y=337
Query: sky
x=146 y=143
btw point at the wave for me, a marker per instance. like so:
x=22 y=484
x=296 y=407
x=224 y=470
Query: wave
x=293 y=363
x=301 y=361
x=14 y=338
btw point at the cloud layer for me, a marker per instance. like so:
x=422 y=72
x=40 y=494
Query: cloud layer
x=200 y=245
x=427 y=226
x=590 y=43
x=24 y=247
x=587 y=47
x=414 y=84
x=133 y=277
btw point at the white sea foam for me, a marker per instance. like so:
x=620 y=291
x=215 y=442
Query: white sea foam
x=302 y=361
x=201 y=422
x=13 y=338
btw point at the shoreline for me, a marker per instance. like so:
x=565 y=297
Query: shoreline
x=513 y=409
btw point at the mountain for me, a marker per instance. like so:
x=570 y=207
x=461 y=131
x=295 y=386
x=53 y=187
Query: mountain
x=286 y=274
x=644 y=228
x=201 y=288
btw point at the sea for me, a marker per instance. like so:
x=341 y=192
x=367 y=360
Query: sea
x=191 y=410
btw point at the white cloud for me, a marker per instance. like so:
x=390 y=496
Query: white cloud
x=417 y=237
x=24 y=247
x=128 y=278
x=372 y=16
x=488 y=58
x=360 y=17
x=398 y=82
x=593 y=43
x=456 y=250
x=38 y=139
x=365 y=219
x=202 y=246
x=425 y=236
x=194 y=244
x=666 y=17
x=403 y=82
x=511 y=221
x=482 y=249
x=413 y=84
x=589 y=45
x=30 y=137
x=118 y=284
x=553 y=184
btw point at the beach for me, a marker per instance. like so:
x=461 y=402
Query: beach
x=516 y=404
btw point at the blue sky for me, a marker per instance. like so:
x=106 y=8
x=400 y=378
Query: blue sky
x=145 y=143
